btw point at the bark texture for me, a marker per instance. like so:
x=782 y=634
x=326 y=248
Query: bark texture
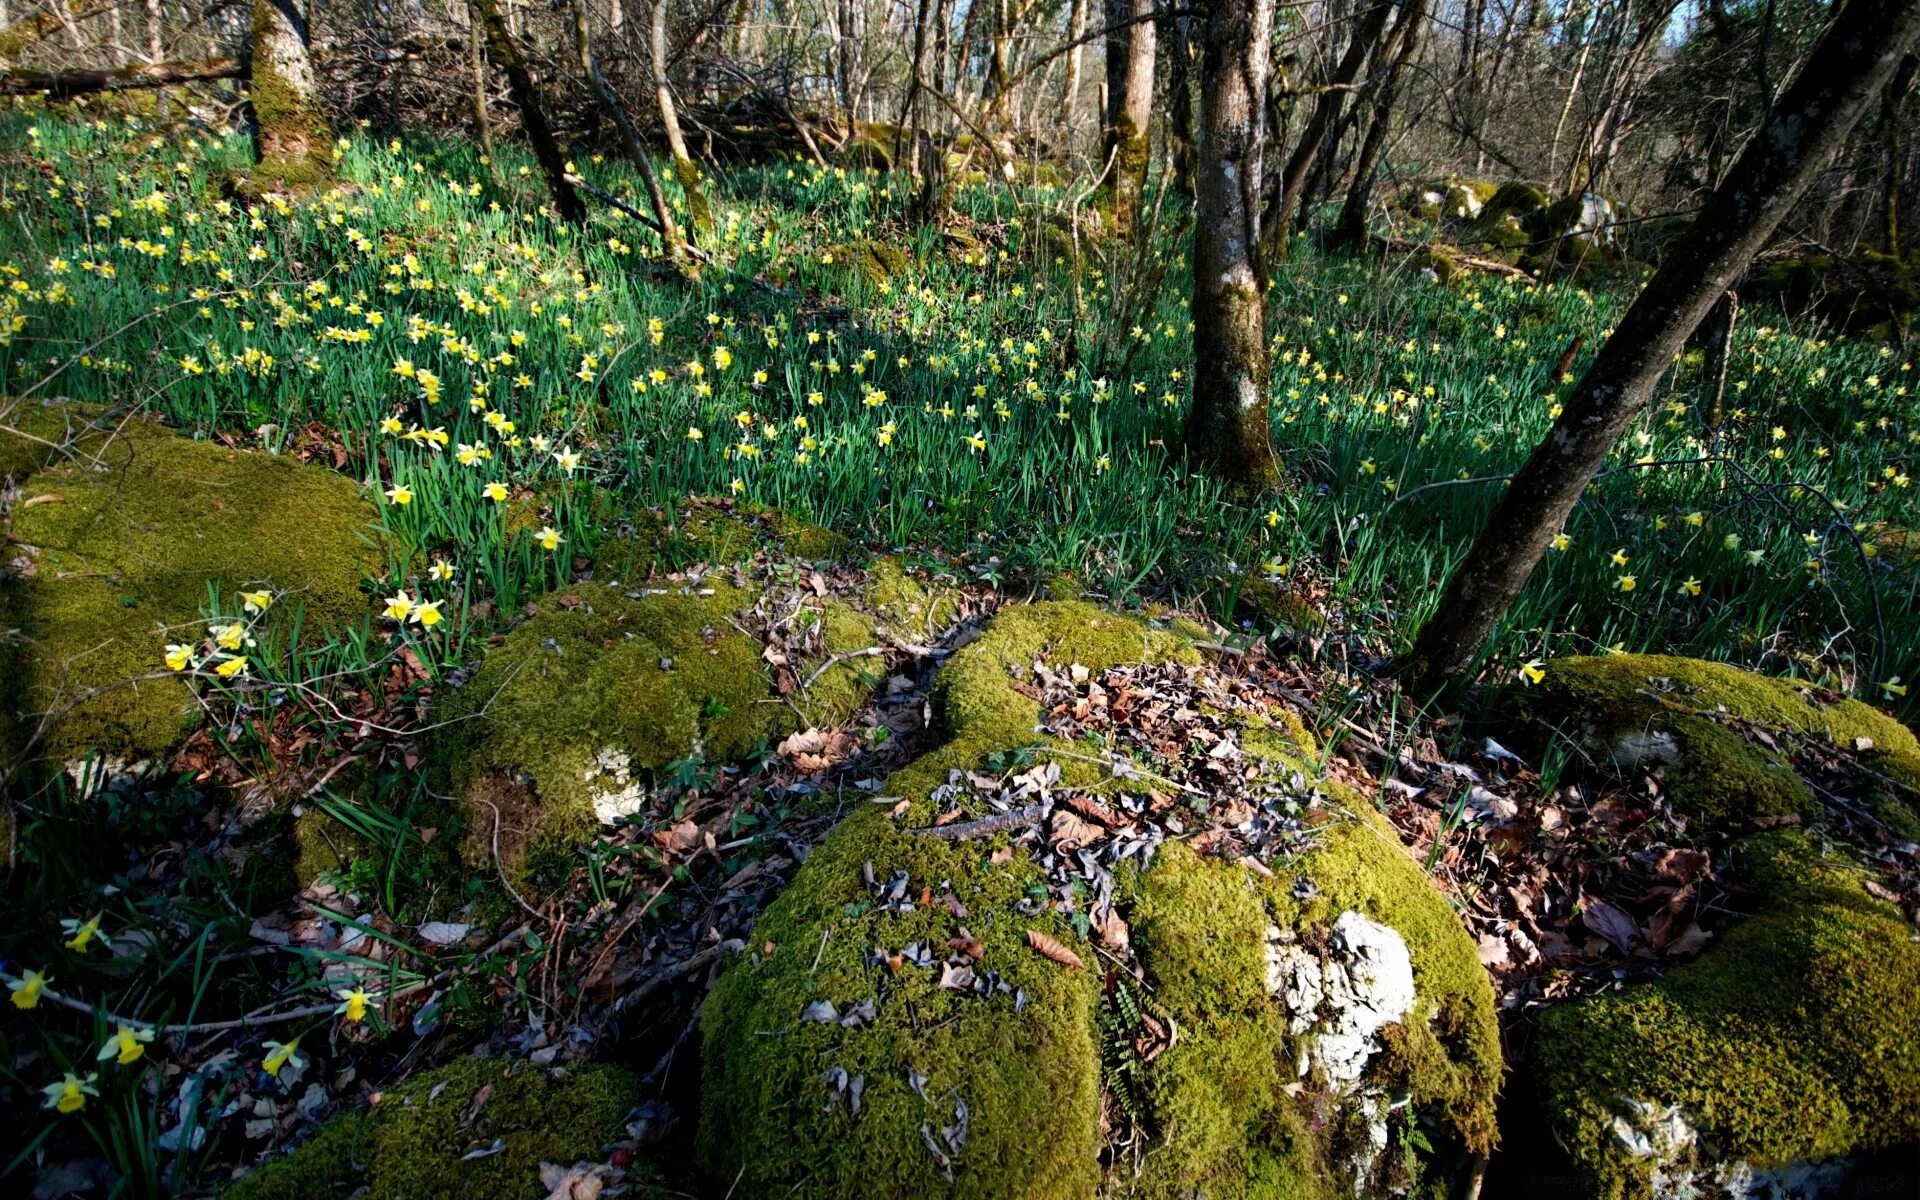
x=1133 y=113
x=1845 y=71
x=1228 y=428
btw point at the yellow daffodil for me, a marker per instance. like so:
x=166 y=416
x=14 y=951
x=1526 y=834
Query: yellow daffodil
x=400 y=494
x=1626 y=583
x=257 y=602
x=70 y=1094
x=353 y=1003
x=548 y=537
x=1892 y=687
x=232 y=667
x=179 y=657
x=441 y=570
x=426 y=614
x=496 y=492
x=280 y=1055
x=1532 y=671
x=1619 y=557
x=399 y=605
x=26 y=989
x=126 y=1045
x=80 y=934
x=1691 y=587
x=1560 y=542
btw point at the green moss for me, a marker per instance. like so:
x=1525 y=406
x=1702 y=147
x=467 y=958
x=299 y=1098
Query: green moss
x=412 y=1146
x=655 y=541
x=657 y=678
x=909 y=609
x=875 y=262
x=699 y=212
x=1794 y=1038
x=322 y=846
x=1856 y=292
x=1720 y=774
x=1277 y=606
x=35 y=434
x=294 y=140
x=123 y=556
x=1225 y=1121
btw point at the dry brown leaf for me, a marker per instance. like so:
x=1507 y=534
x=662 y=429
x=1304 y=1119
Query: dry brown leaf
x=1050 y=947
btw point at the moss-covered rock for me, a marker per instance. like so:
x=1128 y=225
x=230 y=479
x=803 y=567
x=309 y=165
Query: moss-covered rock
x=1690 y=717
x=117 y=547
x=414 y=1144
x=1856 y=292
x=1231 y=1111
x=874 y=261
x=718 y=532
x=564 y=721
x=35 y=433
x=1795 y=1039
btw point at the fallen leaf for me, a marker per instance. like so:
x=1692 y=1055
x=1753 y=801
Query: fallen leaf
x=1608 y=921
x=1049 y=947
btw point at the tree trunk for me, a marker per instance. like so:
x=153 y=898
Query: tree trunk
x=1852 y=61
x=1283 y=196
x=1180 y=101
x=65 y=85
x=1228 y=428
x=1131 y=148
x=699 y=214
x=477 y=64
x=1351 y=229
x=1070 y=100
x=1891 y=101
x=533 y=118
x=15 y=38
x=670 y=240
x=293 y=144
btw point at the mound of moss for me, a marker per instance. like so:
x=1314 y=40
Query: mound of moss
x=415 y=1144
x=836 y=1066
x=718 y=532
x=566 y=719
x=116 y=552
x=1696 y=719
x=1855 y=292
x=1795 y=1039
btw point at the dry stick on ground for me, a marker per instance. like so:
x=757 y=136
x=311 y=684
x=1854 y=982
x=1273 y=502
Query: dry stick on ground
x=1853 y=59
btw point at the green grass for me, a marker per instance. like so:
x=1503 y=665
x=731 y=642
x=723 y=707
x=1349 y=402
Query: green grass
x=990 y=400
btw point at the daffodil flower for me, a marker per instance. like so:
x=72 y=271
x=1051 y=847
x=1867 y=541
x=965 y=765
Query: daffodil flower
x=281 y=1055
x=400 y=494
x=567 y=459
x=1533 y=671
x=353 y=1003
x=1892 y=687
x=1626 y=583
x=548 y=537
x=441 y=570
x=399 y=605
x=80 y=934
x=1619 y=557
x=495 y=491
x=70 y=1094
x=26 y=989
x=1690 y=586
x=232 y=667
x=1561 y=541
x=257 y=602
x=426 y=614
x=179 y=657
x=126 y=1045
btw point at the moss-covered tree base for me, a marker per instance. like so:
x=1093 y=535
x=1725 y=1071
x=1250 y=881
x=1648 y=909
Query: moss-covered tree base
x=1228 y=1109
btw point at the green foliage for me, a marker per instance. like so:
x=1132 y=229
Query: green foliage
x=413 y=1144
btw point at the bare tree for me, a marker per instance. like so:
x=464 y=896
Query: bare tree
x=669 y=230
x=1132 y=115
x=1228 y=427
x=699 y=214
x=1853 y=60
x=533 y=117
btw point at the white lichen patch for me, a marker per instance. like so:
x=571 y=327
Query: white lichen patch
x=1661 y=1135
x=1340 y=1001
x=615 y=793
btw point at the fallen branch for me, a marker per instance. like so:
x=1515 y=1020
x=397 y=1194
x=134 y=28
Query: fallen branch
x=65 y=85
x=1018 y=818
x=1472 y=262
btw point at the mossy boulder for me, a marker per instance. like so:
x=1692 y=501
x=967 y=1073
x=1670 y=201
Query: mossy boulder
x=116 y=550
x=1024 y=1057
x=36 y=433
x=718 y=532
x=603 y=686
x=1794 y=1040
x=874 y=261
x=414 y=1144
x=1510 y=221
x=1692 y=719
x=1855 y=292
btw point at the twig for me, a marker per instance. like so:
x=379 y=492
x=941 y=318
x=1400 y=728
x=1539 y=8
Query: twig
x=1018 y=818
x=673 y=971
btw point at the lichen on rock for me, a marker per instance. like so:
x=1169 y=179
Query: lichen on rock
x=837 y=1063
x=118 y=545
